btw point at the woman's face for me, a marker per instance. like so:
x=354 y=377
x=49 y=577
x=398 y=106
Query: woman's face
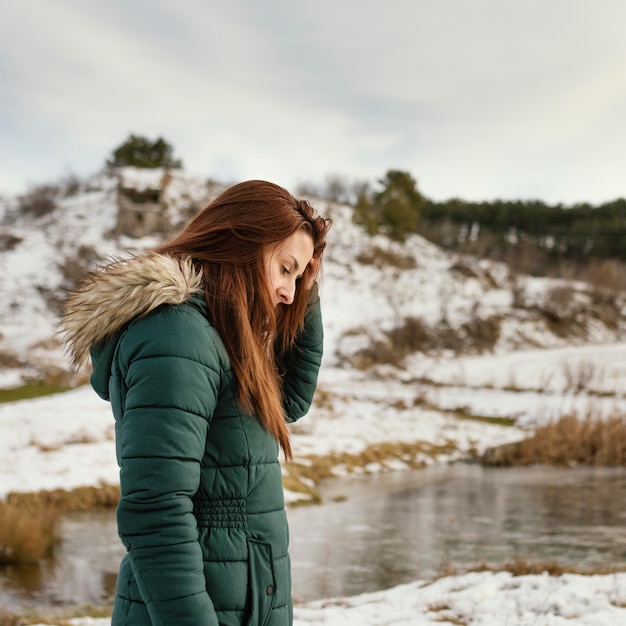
x=285 y=263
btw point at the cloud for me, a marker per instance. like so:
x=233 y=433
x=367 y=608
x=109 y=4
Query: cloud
x=476 y=100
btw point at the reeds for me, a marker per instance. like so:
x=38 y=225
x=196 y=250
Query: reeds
x=8 y=619
x=29 y=522
x=27 y=534
x=571 y=440
x=78 y=499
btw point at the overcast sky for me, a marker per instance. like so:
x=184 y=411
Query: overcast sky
x=480 y=99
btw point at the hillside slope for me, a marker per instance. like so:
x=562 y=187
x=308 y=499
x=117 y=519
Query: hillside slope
x=383 y=301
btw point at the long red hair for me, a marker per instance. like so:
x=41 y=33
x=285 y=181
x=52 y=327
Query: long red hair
x=227 y=240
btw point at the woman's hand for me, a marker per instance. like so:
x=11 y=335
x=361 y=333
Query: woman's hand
x=310 y=276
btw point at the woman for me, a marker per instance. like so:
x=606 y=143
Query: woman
x=205 y=348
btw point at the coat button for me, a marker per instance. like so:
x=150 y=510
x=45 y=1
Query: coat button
x=269 y=590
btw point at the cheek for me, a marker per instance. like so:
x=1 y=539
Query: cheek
x=272 y=275
x=268 y=270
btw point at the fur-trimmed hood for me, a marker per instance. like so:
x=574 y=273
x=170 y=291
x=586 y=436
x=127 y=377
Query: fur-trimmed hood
x=114 y=295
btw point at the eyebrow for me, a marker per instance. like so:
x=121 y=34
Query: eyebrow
x=296 y=265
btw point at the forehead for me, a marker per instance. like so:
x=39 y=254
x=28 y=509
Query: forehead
x=298 y=245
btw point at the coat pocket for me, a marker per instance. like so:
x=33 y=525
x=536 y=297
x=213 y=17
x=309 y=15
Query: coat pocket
x=261 y=583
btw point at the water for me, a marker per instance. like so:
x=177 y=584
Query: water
x=400 y=527
x=376 y=532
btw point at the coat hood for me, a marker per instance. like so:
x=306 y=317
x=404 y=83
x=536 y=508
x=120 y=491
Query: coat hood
x=114 y=295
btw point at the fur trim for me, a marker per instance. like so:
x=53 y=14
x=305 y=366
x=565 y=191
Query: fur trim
x=112 y=296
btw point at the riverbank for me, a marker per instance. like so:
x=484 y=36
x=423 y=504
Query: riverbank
x=66 y=441
x=476 y=598
x=362 y=424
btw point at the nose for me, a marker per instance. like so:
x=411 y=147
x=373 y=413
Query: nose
x=287 y=294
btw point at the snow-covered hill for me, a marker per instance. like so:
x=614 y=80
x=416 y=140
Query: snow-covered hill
x=376 y=292
x=416 y=338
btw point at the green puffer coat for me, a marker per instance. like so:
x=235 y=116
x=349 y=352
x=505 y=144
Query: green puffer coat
x=201 y=511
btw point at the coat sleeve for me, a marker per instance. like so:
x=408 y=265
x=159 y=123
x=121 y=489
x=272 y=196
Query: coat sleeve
x=172 y=386
x=301 y=364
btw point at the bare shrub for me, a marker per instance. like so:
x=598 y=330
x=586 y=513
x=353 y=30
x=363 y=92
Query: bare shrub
x=9 y=241
x=606 y=306
x=379 y=257
x=482 y=334
x=411 y=336
x=609 y=274
x=74 y=268
x=71 y=185
x=465 y=269
x=526 y=258
x=9 y=360
x=443 y=233
x=562 y=315
x=572 y=440
x=579 y=376
x=568 y=315
x=414 y=335
x=518 y=294
x=560 y=299
x=378 y=352
x=40 y=201
x=568 y=311
x=324 y=399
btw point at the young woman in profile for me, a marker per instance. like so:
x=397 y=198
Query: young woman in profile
x=205 y=348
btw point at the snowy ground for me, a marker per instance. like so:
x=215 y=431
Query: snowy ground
x=66 y=440
x=479 y=599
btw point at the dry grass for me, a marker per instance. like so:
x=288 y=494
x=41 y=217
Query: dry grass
x=56 y=617
x=465 y=268
x=79 y=499
x=448 y=615
x=305 y=477
x=39 y=201
x=378 y=257
x=462 y=413
x=29 y=521
x=324 y=399
x=571 y=440
x=604 y=274
x=570 y=311
x=27 y=533
x=520 y=566
x=578 y=375
x=77 y=438
x=8 y=619
x=412 y=335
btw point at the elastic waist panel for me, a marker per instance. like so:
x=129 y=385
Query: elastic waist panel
x=221 y=513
